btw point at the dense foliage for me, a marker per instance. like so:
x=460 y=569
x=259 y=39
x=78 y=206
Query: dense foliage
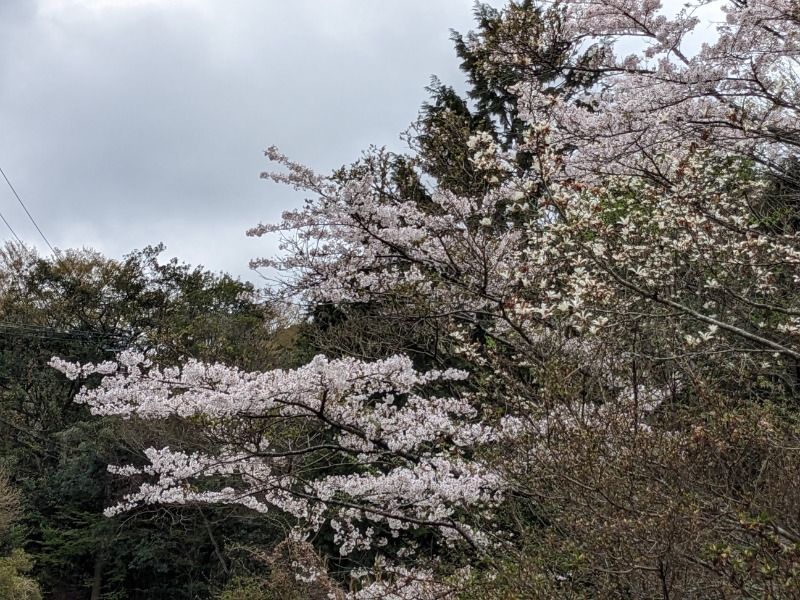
x=83 y=306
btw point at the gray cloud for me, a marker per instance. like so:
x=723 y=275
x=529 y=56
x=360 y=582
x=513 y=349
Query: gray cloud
x=145 y=122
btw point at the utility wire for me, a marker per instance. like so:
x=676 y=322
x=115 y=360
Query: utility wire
x=86 y=333
x=56 y=255
x=11 y=229
x=27 y=212
x=111 y=342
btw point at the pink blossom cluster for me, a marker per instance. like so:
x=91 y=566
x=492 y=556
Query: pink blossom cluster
x=648 y=110
x=402 y=448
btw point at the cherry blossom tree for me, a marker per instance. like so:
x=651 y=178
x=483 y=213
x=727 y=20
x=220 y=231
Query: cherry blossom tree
x=346 y=444
x=615 y=272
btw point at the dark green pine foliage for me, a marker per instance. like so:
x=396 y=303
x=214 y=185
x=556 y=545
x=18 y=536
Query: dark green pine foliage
x=520 y=43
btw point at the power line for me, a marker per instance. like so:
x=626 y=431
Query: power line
x=112 y=342
x=56 y=255
x=11 y=229
x=86 y=333
x=27 y=212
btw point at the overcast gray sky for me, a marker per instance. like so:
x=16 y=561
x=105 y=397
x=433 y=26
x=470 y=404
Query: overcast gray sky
x=125 y=123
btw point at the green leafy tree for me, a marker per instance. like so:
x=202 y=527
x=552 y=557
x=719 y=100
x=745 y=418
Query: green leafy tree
x=15 y=564
x=87 y=307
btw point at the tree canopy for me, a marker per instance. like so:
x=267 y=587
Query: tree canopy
x=571 y=322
